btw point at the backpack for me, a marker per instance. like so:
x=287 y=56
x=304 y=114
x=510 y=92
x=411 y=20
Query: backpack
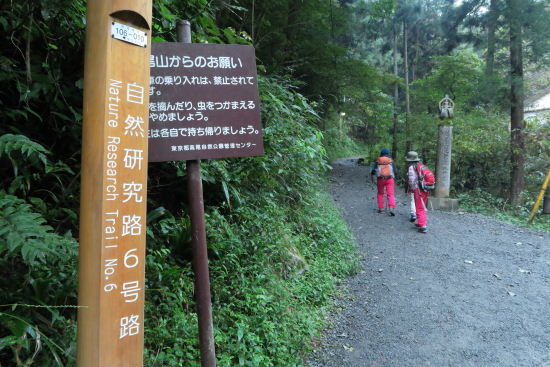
x=385 y=168
x=426 y=178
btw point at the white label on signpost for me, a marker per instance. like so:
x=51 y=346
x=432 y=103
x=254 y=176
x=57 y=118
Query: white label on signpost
x=131 y=35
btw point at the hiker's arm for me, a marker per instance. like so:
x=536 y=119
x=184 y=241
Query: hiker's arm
x=406 y=181
x=373 y=168
x=395 y=170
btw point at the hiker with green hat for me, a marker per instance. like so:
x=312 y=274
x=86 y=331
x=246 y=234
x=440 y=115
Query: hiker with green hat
x=410 y=160
x=412 y=186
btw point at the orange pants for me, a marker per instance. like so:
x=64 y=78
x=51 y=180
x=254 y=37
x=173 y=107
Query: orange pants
x=420 y=201
x=389 y=186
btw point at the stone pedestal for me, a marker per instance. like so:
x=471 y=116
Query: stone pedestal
x=443 y=167
x=442 y=204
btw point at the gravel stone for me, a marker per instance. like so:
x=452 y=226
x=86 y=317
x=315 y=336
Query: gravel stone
x=473 y=291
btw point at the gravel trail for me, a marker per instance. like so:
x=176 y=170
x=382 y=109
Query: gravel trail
x=473 y=291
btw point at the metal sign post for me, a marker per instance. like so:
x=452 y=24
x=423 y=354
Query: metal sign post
x=200 y=250
x=114 y=176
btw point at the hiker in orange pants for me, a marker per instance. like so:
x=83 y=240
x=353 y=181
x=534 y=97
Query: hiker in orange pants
x=420 y=196
x=420 y=201
x=385 y=169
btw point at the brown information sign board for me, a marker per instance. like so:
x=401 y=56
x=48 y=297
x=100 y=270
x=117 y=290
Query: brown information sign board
x=203 y=102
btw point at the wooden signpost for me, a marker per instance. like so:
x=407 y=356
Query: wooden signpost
x=114 y=175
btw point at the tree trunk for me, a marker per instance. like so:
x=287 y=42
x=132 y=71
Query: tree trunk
x=487 y=88
x=395 y=96
x=252 y=23
x=406 y=67
x=517 y=123
x=416 y=52
x=491 y=28
x=28 y=44
x=290 y=32
x=408 y=142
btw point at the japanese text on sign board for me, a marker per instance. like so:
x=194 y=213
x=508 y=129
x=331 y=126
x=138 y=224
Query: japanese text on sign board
x=204 y=102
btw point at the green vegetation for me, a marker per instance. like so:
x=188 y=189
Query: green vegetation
x=334 y=78
x=277 y=248
x=273 y=273
x=480 y=201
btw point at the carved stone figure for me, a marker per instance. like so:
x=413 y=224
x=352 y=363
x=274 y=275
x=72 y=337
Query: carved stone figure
x=446 y=107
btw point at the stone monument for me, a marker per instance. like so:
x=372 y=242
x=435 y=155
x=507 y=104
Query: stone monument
x=443 y=165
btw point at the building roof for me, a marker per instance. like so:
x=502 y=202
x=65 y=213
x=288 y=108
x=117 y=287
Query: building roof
x=537 y=96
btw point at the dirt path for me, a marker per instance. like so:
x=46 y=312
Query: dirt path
x=472 y=292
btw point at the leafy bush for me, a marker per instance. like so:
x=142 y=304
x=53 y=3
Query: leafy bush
x=37 y=276
x=273 y=272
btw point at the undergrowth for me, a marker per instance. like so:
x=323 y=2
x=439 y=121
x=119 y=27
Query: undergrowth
x=346 y=147
x=338 y=140
x=480 y=201
x=273 y=272
x=277 y=247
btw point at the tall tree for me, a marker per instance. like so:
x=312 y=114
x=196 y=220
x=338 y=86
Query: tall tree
x=408 y=142
x=516 y=36
x=523 y=22
x=395 y=95
x=517 y=123
x=491 y=42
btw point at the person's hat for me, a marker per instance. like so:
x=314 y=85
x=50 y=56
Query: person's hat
x=412 y=157
x=385 y=151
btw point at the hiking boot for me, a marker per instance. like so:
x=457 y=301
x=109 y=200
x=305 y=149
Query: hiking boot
x=423 y=230
x=413 y=217
x=380 y=211
x=392 y=213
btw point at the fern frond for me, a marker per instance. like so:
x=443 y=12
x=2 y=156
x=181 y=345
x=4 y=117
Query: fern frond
x=10 y=143
x=24 y=232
